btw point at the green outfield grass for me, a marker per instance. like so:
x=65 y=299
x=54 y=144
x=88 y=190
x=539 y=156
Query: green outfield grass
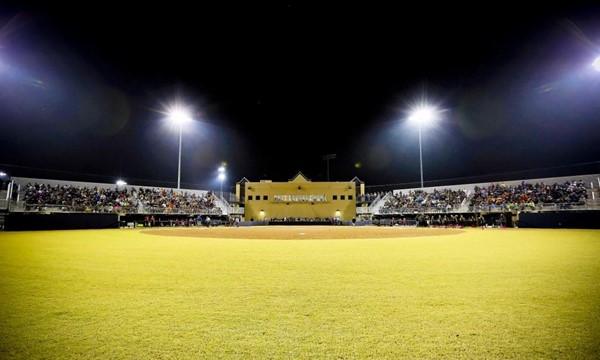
x=120 y=294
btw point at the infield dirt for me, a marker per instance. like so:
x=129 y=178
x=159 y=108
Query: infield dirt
x=302 y=232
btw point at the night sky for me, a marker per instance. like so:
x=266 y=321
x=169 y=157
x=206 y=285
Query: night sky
x=275 y=87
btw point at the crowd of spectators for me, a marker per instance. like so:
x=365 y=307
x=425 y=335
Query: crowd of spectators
x=159 y=200
x=292 y=219
x=178 y=221
x=71 y=198
x=494 y=197
x=443 y=200
x=45 y=197
x=527 y=196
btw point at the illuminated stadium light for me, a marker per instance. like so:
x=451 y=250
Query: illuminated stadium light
x=423 y=114
x=2 y=174
x=222 y=177
x=179 y=115
x=121 y=183
x=596 y=63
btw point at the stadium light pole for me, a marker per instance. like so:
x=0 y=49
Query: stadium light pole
x=422 y=115
x=327 y=158
x=179 y=117
x=222 y=177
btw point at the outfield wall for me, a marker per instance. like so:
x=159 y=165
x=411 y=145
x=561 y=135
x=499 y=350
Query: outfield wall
x=562 y=219
x=59 y=221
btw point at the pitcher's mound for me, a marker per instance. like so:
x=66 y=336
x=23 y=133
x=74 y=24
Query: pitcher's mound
x=302 y=232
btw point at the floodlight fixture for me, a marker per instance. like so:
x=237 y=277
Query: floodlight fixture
x=221 y=176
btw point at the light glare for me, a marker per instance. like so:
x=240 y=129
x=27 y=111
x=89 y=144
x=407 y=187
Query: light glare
x=423 y=114
x=179 y=116
x=596 y=64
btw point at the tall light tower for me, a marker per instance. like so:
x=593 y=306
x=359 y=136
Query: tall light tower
x=179 y=116
x=327 y=158
x=222 y=177
x=422 y=115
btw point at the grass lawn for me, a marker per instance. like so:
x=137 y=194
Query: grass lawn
x=120 y=294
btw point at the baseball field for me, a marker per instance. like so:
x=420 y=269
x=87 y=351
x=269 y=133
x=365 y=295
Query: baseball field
x=314 y=292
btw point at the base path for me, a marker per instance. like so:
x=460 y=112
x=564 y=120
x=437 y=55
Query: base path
x=302 y=232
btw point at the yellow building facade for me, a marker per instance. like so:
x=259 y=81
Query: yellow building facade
x=298 y=198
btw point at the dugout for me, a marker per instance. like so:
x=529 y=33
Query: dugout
x=298 y=198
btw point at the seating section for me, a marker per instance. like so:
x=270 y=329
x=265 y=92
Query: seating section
x=424 y=201
x=497 y=197
x=527 y=195
x=69 y=198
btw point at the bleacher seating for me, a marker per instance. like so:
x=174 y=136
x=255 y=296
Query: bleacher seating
x=54 y=196
x=553 y=194
x=550 y=194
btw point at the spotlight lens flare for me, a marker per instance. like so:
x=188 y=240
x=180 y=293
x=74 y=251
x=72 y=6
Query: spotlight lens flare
x=423 y=114
x=177 y=112
x=180 y=116
x=596 y=64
